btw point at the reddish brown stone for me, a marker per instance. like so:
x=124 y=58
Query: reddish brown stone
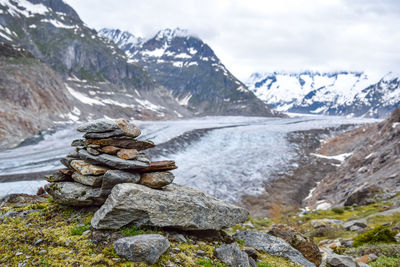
x=85 y=168
x=122 y=142
x=112 y=150
x=164 y=165
x=156 y=179
x=127 y=153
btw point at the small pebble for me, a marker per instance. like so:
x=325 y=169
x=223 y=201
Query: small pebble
x=86 y=232
x=38 y=242
x=42 y=252
x=200 y=253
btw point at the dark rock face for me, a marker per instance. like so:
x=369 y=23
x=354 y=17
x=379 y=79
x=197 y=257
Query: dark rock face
x=232 y=255
x=272 y=245
x=173 y=206
x=364 y=196
x=190 y=69
x=147 y=248
x=32 y=96
x=61 y=60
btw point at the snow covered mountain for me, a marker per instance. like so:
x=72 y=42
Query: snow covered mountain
x=67 y=73
x=189 y=68
x=336 y=93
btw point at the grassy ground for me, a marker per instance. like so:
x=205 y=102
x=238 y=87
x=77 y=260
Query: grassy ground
x=49 y=234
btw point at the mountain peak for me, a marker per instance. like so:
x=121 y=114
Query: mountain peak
x=121 y=38
x=172 y=33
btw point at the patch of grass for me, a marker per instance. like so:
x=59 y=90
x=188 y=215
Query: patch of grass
x=79 y=230
x=338 y=210
x=267 y=260
x=388 y=250
x=381 y=219
x=386 y=262
x=209 y=263
x=131 y=231
x=380 y=234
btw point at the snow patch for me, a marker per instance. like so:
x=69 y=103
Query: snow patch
x=340 y=157
x=177 y=64
x=24 y=8
x=185 y=100
x=83 y=98
x=395 y=124
x=57 y=24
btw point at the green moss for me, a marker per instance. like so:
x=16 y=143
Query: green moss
x=131 y=231
x=338 y=210
x=386 y=262
x=79 y=230
x=380 y=234
x=273 y=261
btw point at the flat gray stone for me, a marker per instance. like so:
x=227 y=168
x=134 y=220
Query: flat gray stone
x=76 y=194
x=335 y=260
x=173 y=206
x=58 y=177
x=119 y=127
x=78 y=142
x=272 y=245
x=111 y=161
x=90 y=180
x=355 y=225
x=113 y=133
x=114 y=177
x=92 y=151
x=66 y=161
x=147 y=248
x=232 y=255
x=98 y=126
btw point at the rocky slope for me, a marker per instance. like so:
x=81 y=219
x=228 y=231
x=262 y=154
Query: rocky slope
x=337 y=93
x=33 y=95
x=93 y=76
x=370 y=173
x=188 y=67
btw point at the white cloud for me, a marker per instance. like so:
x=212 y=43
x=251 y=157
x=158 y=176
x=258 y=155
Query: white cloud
x=259 y=35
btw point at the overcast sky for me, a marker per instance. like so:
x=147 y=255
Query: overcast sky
x=264 y=36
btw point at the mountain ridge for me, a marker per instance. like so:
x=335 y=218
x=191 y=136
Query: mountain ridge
x=188 y=67
x=331 y=93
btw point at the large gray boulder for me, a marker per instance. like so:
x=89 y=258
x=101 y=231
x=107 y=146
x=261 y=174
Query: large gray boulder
x=173 y=206
x=147 y=248
x=76 y=194
x=232 y=255
x=272 y=245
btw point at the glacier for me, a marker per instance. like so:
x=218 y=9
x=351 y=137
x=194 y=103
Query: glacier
x=236 y=155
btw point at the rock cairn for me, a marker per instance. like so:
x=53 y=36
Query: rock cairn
x=109 y=169
x=109 y=154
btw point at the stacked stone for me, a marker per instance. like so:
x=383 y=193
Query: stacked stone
x=109 y=154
